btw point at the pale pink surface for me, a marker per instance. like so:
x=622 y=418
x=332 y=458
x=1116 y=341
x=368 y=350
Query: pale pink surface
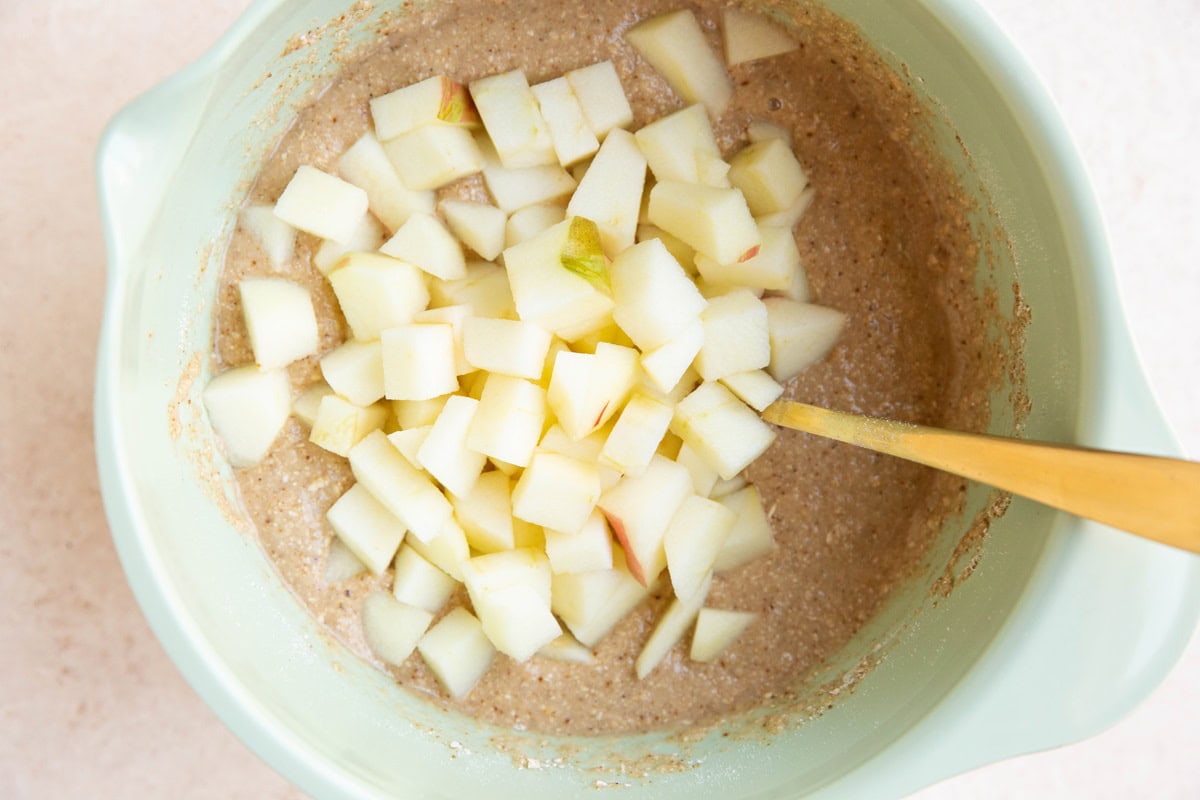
x=89 y=704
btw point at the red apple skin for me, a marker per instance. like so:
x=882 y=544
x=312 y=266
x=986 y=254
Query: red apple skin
x=599 y=416
x=749 y=254
x=631 y=562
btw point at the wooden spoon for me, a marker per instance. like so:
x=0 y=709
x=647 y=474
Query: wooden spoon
x=1153 y=497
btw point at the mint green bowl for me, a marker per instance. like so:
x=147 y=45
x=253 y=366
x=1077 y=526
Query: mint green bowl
x=1063 y=627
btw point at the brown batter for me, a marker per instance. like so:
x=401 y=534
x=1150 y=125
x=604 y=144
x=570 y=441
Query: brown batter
x=886 y=241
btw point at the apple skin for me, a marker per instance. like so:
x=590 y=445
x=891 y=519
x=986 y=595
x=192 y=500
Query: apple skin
x=631 y=561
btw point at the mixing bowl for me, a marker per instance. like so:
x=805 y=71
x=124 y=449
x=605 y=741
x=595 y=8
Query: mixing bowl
x=1061 y=627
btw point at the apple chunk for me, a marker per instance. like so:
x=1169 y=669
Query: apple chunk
x=770 y=177
x=590 y=604
x=367 y=166
x=748 y=36
x=601 y=97
x=715 y=222
x=248 y=408
x=636 y=434
x=721 y=429
x=509 y=420
x=736 y=337
x=368 y=529
x=444 y=453
x=377 y=292
x=321 y=204
x=418 y=361
x=694 y=539
x=583 y=550
x=509 y=347
x=340 y=424
x=419 y=583
x=655 y=301
x=280 y=320
x=432 y=156
x=486 y=513
x=424 y=242
x=556 y=492
x=610 y=193
x=586 y=390
x=750 y=537
x=355 y=371
x=801 y=335
x=276 y=238
x=402 y=489
x=639 y=509
x=573 y=138
x=437 y=101
x=675 y=45
x=391 y=628
x=715 y=630
x=457 y=652
x=479 y=226
x=513 y=121
x=676 y=144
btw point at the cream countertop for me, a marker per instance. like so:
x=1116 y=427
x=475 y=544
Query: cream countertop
x=89 y=704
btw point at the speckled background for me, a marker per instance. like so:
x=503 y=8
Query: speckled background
x=89 y=704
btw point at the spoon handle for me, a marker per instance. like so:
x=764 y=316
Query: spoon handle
x=1156 y=498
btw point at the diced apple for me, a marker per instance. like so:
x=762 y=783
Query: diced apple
x=671 y=627
x=715 y=222
x=446 y=551
x=418 y=361
x=675 y=45
x=457 y=652
x=341 y=424
x=517 y=621
x=321 y=204
x=367 y=166
x=508 y=422
x=514 y=189
x=666 y=365
x=402 y=489
x=377 y=292
x=590 y=604
x=526 y=534
x=773 y=267
x=355 y=371
x=610 y=193
x=276 y=238
x=675 y=144
x=770 y=177
x=391 y=628
x=419 y=583
x=527 y=223
x=598 y=89
x=749 y=36
x=704 y=477
x=479 y=226
x=751 y=535
x=486 y=513
x=305 y=406
x=639 y=509
x=493 y=572
x=655 y=301
x=721 y=429
x=567 y=648
x=436 y=100
x=509 y=347
x=548 y=294
x=424 y=242
x=569 y=130
x=513 y=121
x=790 y=216
x=694 y=539
x=444 y=452
x=409 y=441
x=684 y=254
x=367 y=238
x=485 y=289
x=432 y=156
x=715 y=630
x=556 y=492
x=636 y=434
x=736 y=337
x=584 y=550
x=417 y=413
x=456 y=317
x=586 y=390
x=341 y=564
x=756 y=388
x=801 y=335
x=248 y=408
x=371 y=532
x=280 y=320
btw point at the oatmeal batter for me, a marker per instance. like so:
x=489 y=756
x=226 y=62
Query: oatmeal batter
x=885 y=241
